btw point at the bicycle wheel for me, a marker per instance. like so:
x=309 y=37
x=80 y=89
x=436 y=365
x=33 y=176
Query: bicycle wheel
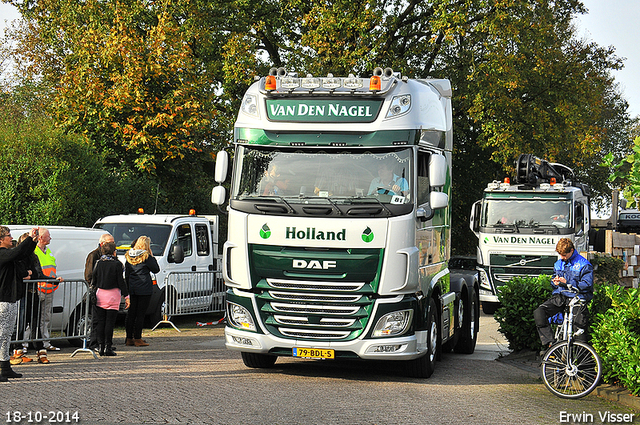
x=575 y=380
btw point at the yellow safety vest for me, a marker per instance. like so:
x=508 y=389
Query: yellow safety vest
x=48 y=264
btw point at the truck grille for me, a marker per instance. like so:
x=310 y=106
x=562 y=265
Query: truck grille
x=316 y=310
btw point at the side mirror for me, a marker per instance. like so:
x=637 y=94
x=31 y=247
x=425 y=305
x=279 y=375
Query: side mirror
x=474 y=220
x=438 y=200
x=222 y=166
x=177 y=254
x=437 y=170
x=218 y=195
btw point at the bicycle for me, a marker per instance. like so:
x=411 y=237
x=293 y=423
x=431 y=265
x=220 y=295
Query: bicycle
x=570 y=369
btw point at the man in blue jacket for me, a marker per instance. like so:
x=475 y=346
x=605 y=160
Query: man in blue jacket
x=571 y=269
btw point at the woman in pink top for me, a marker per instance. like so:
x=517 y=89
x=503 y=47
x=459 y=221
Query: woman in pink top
x=108 y=278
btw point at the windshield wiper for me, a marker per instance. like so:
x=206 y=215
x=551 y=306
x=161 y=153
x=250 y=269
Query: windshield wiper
x=365 y=199
x=270 y=197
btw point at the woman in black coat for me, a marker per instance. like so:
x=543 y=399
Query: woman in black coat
x=12 y=273
x=137 y=273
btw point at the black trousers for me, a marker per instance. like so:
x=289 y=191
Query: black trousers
x=106 y=321
x=554 y=305
x=135 y=316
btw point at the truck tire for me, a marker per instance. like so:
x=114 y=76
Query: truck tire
x=470 y=323
x=257 y=360
x=424 y=366
x=489 y=307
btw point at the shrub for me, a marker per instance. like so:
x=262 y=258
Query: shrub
x=616 y=337
x=518 y=299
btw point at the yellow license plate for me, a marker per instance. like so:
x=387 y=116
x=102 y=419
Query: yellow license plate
x=313 y=353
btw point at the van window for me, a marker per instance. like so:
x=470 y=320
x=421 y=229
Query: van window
x=125 y=233
x=202 y=240
x=183 y=237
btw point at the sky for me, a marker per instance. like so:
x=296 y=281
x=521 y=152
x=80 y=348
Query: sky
x=608 y=23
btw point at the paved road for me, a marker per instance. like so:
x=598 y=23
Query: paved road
x=189 y=378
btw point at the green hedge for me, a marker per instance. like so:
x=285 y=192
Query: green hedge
x=518 y=299
x=615 y=334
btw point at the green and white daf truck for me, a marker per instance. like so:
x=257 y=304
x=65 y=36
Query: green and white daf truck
x=339 y=223
x=518 y=225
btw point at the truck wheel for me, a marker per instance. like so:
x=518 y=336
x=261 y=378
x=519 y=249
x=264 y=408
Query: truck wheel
x=470 y=324
x=258 y=360
x=489 y=307
x=424 y=366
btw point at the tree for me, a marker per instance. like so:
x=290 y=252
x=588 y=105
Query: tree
x=155 y=85
x=136 y=78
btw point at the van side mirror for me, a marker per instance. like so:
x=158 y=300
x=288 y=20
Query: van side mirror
x=176 y=255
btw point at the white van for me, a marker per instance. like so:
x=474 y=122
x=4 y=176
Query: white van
x=70 y=246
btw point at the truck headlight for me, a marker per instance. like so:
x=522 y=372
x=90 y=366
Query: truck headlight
x=395 y=323
x=484 y=280
x=240 y=317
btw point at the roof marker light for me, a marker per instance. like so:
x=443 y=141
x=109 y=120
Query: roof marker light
x=140 y=210
x=310 y=82
x=553 y=180
x=352 y=82
x=192 y=212
x=375 y=84
x=507 y=180
x=270 y=83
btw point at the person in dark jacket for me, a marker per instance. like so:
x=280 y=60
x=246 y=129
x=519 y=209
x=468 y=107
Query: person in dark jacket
x=90 y=263
x=572 y=269
x=107 y=278
x=11 y=290
x=137 y=273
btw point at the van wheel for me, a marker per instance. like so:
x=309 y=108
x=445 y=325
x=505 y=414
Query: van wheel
x=76 y=326
x=257 y=360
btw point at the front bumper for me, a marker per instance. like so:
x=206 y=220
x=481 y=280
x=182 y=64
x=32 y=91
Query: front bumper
x=400 y=348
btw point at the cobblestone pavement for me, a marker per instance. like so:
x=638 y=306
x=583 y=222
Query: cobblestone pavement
x=189 y=378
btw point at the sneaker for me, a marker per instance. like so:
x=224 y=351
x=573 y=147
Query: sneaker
x=52 y=348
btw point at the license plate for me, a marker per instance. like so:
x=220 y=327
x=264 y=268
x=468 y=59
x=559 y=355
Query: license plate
x=313 y=353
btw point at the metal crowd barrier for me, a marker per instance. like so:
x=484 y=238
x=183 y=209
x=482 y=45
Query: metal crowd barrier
x=192 y=293
x=67 y=308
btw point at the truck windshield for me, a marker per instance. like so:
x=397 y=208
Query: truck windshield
x=321 y=176
x=526 y=213
x=125 y=233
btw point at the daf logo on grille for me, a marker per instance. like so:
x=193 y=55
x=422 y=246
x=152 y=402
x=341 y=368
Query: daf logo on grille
x=314 y=264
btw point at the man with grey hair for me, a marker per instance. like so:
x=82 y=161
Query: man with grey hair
x=92 y=259
x=46 y=289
